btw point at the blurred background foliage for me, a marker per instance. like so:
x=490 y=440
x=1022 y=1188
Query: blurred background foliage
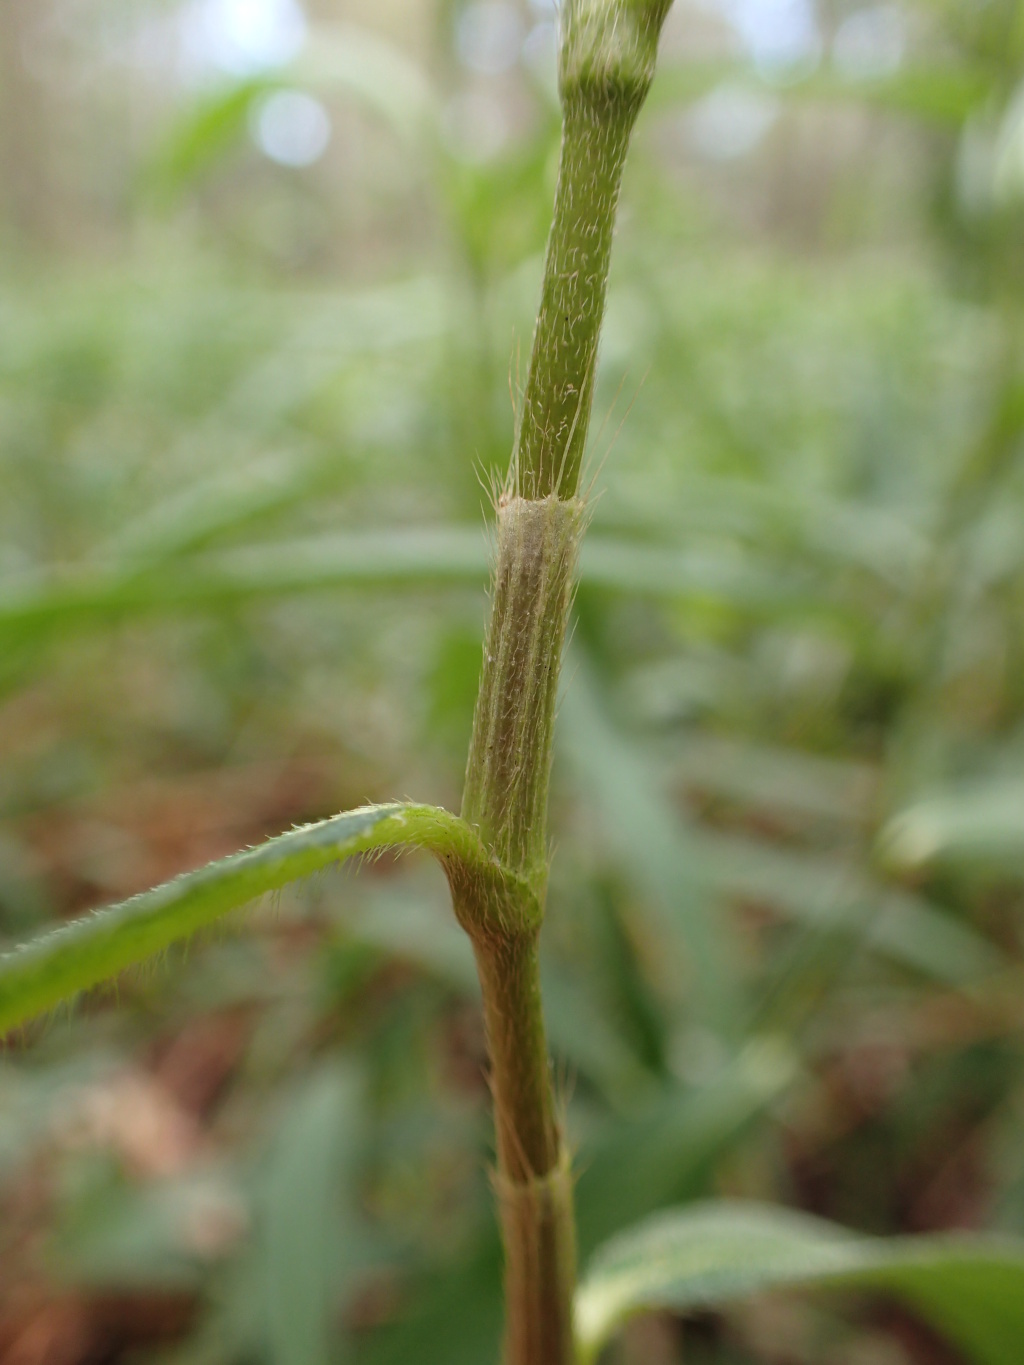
x=267 y=276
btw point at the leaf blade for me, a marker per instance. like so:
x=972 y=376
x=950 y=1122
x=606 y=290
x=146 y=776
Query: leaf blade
x=712 y=1253
x=86 y=951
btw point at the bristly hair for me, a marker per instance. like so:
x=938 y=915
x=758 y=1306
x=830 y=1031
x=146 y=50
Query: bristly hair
x=590 y=476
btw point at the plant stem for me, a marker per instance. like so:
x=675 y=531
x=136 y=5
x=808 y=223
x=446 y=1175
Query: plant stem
x=606 y=62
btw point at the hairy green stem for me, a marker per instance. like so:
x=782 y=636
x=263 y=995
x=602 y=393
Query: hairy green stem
x=606 y=63
x=525 y=1128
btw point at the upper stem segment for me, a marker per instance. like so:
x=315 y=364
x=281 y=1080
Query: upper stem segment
x=606 y=64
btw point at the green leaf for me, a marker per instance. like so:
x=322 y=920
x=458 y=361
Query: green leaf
x=641 y=832
x=583 y=1035
x=663 y=571
x=414 y=556
x=81 y=954
x=830 y=892
x=454 y=1318
x=970 y=1287
x=665 y=1152
x=210 y=128
x=770 y=777
x=308 y=1208
x=207 y=508
x=340 y=60
x=942 y=95
x=112 y=1232
x=361 y=559
x=975 y=823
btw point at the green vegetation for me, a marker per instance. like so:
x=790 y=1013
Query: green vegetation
x=241 y=589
